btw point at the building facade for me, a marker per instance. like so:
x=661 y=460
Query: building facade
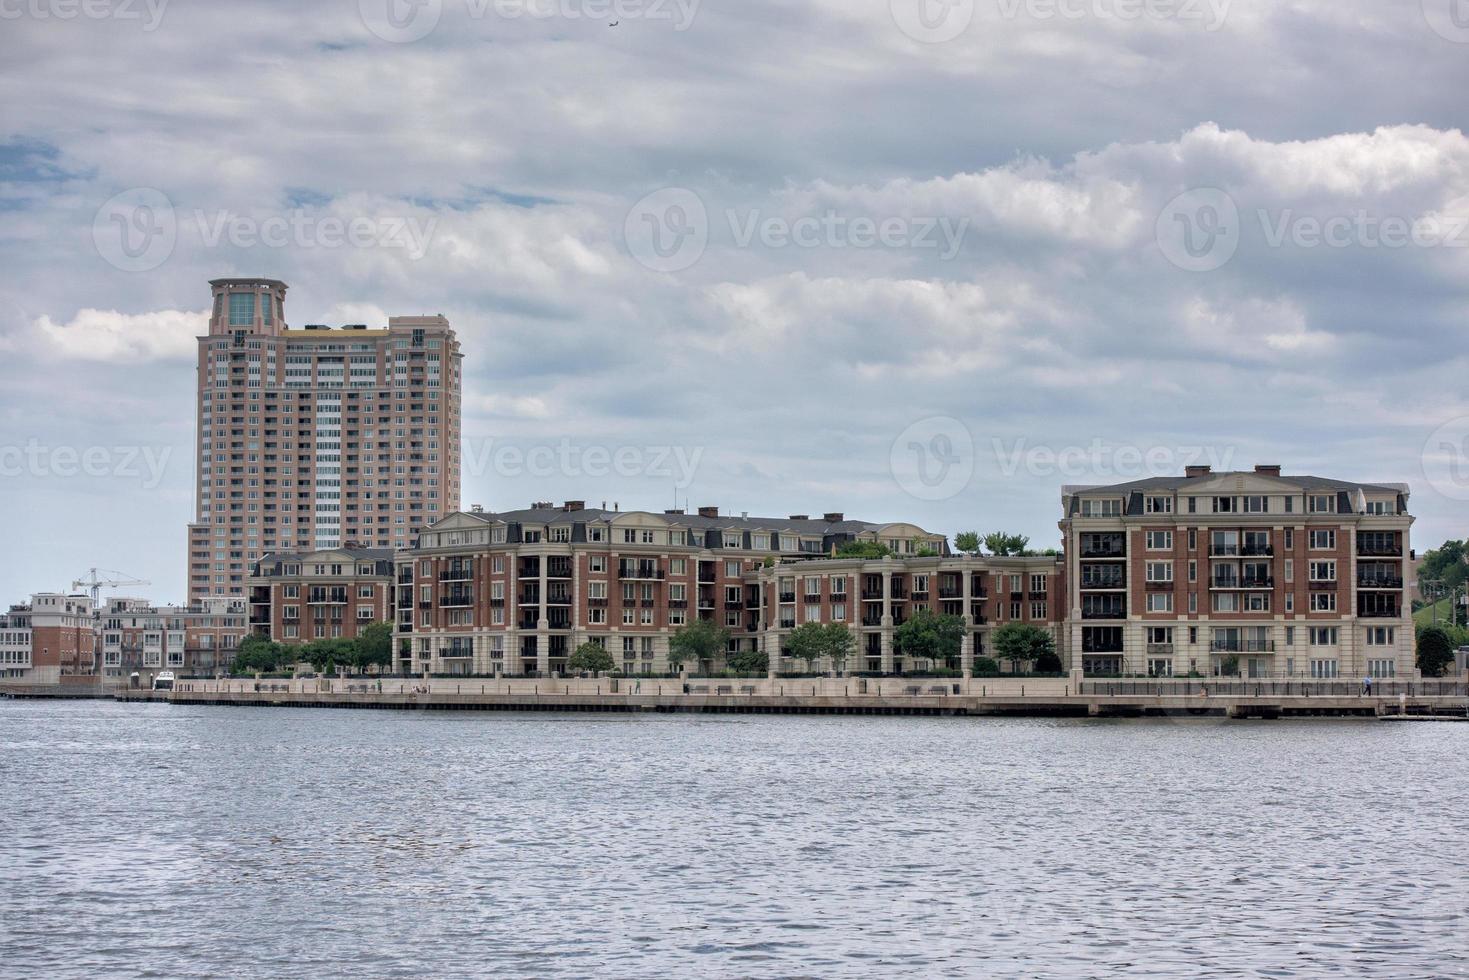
x=136 y=638
x=1253 y=573
x=296 y=598
x=517 y=593
x=51 y=637
x=317 y=438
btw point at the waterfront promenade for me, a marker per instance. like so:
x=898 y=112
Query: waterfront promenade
x=845 y=695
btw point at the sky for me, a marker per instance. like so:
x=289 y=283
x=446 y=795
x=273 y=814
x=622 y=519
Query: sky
x=927 y=260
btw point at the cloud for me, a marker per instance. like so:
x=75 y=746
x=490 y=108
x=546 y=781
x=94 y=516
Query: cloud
x=112 y=337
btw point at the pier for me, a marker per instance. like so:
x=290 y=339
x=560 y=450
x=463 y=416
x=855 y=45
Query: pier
x=826 y=695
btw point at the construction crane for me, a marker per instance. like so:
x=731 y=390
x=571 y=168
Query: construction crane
x=96 y=585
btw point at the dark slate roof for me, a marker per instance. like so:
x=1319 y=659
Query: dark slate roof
x=356 y=554
x=1184 y=482
x=556 y=515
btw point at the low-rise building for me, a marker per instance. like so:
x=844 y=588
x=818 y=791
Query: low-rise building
x=136 y=639
x=1254 y=573
x=314 y=595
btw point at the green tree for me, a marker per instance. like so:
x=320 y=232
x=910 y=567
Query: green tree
x=1005 y=545
x=927 y=551
x=813 y=641
x=374 y=647
x=1435 y=652
x=1048 y=663
x=967 y=542
x=930 y=636
x=592 y=657
x=1023 y=643
x=985 y=667
x=259 y=654
x=749 y=662
x=700 y=641
x=864 y=549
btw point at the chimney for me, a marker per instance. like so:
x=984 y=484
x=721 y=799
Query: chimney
x=572 y=506
x=835 y=517
x=800 y=517
x=1273 y=470
x=708 y=511
x=1194 y=472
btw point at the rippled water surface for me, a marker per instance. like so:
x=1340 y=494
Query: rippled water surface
x=151 y=840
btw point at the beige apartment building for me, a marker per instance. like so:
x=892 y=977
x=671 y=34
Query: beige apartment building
x=137 y=639
x=1255 y=573
x=517 y=592
x=317 y=438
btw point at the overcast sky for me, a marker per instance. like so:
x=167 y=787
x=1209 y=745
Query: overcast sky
x=838 y=255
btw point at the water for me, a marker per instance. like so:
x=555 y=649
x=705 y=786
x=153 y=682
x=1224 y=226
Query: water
x=151 y=840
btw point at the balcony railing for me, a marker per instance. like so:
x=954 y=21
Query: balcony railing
x=456 y=601
x=1380 y=581
x=1257 y=551
x=1103 y=583
x=456 y=574
x=1380 y=551
x=1110 y=613
x=1242 y=646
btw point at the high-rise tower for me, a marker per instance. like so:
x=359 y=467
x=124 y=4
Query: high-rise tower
x=317 y=438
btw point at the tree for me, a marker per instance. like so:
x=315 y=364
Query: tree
x=700 y=641
x=1435 y=653
x=863 y=549
x=592 y=657
x=374 y=647
x=749 y=662
x=985 y=667
x=1048 y=663
x=259 y=654
x=927 y=551
x=1004 y=545
x=930 y=636
x=967 y=542
x=813 y=641
x=1023 y=643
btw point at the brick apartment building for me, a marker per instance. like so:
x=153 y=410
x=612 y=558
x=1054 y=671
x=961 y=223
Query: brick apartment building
x=1268 y=574
x=137 y=638
x=316 y=438
x=517 y=592
x=50 y=637
x=296 y=598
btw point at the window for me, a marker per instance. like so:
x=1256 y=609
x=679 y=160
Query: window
x=597 y=563
x=1160 y=571
x=1224 y=505
x=1226 y=602
x=1382 y=668
x=1290 y=537
x=1323 y=636
x=1256 y=505
x=242 y=309
x=1160 y=602
x=1324 y=669
x=1323 y=571
x=1321 y=503
x=1323 y=602
x=1111 y=507
x=1160 y=540
x=1380 y=636
x=839 y=585
x=1323 y=540
x=1037 y=583
x=559 y=534
x=1159 y=505
x=1257 y=602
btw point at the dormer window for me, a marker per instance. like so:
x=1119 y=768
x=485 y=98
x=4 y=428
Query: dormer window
x=1109 y=507
x=1159 y=505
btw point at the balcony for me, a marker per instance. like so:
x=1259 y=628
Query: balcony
x=641 y=573
x=1379 y=614
x=456 y=574
x=1109 y=613
x=1379 y=581
x=951 y=593
x=456 y=653
x=1103 y=583
x=1257 y=551
x=1242 y=646
x=457 y=600
x=1380 y=550
x=871 y=620
x=1104 y=551
x=872 y=595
